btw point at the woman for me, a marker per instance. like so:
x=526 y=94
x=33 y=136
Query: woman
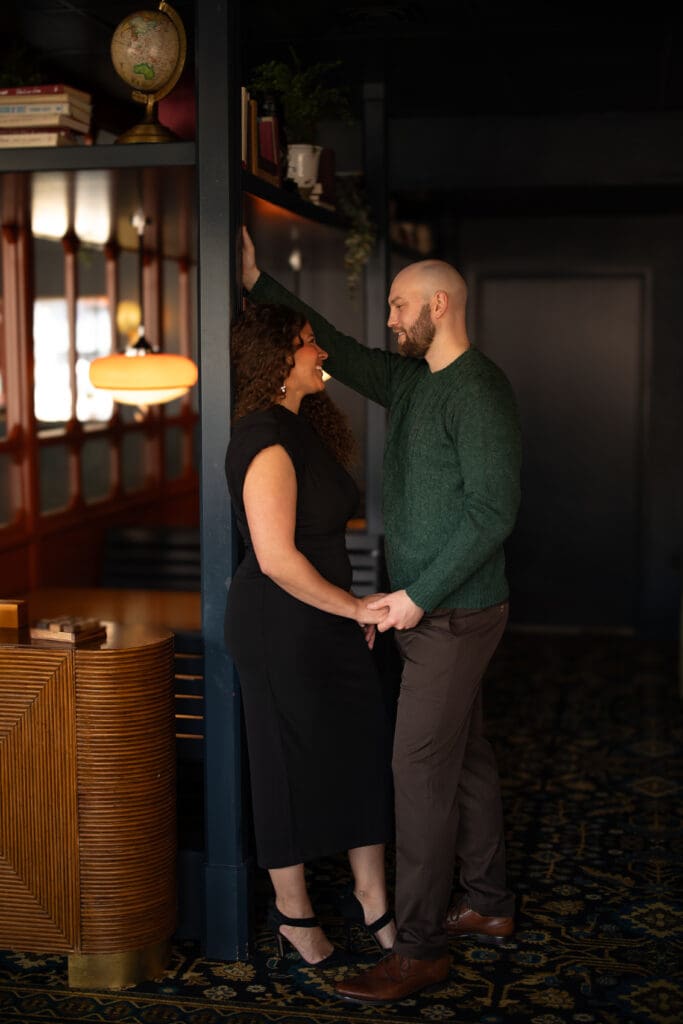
x=317 y=732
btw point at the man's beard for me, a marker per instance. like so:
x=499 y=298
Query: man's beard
x=419 y=337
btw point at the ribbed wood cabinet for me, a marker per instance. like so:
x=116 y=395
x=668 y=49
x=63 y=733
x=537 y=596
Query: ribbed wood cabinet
x=87 y=803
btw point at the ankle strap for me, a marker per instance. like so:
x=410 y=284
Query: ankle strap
x=293 y=922
x=380 y=922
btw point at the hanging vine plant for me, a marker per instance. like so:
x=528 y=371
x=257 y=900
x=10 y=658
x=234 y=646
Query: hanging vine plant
x=361 y=235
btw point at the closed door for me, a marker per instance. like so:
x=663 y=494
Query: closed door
x=572 y=349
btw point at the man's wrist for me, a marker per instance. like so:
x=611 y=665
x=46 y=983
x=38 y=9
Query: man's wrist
x=250 y=277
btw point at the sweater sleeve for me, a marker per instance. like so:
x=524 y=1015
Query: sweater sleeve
x=370 y=371
x=488 y=444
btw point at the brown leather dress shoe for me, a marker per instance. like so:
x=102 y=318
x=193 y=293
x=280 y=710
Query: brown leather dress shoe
x=393 y=977
x=462 y=920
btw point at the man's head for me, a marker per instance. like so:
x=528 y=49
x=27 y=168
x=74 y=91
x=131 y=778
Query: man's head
x=426 y=298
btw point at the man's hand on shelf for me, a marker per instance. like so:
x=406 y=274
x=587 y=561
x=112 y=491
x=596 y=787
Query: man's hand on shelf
x=250 y=272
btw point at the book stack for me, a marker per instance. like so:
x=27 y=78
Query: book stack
x=44 y=115
x=69 y=629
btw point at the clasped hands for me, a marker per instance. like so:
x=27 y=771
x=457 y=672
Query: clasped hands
x=387 y=611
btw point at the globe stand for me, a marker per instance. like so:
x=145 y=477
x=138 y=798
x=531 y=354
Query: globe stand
x=149 y=130
x=134 y=63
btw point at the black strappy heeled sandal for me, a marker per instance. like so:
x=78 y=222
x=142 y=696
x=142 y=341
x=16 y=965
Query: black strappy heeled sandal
x=351 y=910
x=277 y=918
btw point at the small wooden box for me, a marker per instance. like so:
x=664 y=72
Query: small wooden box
x=13 y=614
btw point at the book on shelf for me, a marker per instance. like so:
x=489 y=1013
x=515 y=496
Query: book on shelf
x=23 y=138
x=31 y=93
x=29 y=104
x=45 y=119
x=244 y=121
x=78 y=110
x=252 y=135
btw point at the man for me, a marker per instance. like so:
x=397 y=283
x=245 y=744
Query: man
x=450 y=497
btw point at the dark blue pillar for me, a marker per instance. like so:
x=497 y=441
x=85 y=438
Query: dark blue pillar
x=218 y=199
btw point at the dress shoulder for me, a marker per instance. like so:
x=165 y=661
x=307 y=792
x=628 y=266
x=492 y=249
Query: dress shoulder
x=253 y=433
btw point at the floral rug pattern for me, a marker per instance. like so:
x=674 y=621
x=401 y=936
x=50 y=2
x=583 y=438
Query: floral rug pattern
x=589 y=736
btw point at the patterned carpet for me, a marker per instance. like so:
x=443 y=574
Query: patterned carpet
x=589 y=736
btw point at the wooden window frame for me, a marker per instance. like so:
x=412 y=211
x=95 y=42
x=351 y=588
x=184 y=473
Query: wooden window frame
x=30 y=529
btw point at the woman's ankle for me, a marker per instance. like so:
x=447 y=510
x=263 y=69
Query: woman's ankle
x=372 y=900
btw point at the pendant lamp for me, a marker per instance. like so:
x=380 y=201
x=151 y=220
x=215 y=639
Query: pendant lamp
x=142 y=375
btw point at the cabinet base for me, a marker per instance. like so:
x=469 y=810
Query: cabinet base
x=118 y=970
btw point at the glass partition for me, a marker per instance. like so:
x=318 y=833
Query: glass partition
x=55 y=489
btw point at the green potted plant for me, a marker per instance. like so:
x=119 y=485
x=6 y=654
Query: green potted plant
x=305 y=98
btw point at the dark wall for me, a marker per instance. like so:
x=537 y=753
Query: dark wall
x=649 y=249
x=595 y=194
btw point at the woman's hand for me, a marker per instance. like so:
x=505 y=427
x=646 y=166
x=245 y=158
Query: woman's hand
x=250 y=272
x=365 y=616
x=400 y=610
x=367 y=619
x=369 y=632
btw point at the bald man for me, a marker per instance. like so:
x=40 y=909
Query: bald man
x=450 y=498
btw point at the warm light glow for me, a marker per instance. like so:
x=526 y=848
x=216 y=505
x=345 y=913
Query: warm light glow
x=156 y=396
x=274 y=212
x=149 y=379
x=128 y=317
x=93 y=203
x=50 y=204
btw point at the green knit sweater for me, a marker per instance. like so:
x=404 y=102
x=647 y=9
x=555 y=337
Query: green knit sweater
x=451 y=463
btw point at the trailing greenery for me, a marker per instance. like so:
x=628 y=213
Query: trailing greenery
x=302 y=94
x=361 y=235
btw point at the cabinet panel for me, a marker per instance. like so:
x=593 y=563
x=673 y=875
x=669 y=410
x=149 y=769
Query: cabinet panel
x=39 y=874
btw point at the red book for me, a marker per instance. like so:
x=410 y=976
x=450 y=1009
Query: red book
x=68 y=91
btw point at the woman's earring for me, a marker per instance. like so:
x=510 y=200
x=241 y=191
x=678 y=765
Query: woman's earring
x=283 y=390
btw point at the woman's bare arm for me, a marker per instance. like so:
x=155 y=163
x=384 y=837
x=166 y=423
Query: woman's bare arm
x=269 y=496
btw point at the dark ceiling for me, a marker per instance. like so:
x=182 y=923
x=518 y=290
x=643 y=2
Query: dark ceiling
x=471 y=57
x=489 y=56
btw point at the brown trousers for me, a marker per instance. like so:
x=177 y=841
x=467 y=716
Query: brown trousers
x=447 y=793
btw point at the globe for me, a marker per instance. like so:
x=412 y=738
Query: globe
x=148 y=52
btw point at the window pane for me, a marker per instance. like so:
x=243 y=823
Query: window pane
x=197 y=445
x=174 y=408
x=93 y=334
x=3 y=370
x=173 y=452
x=129 y=290
x=171 y=306
x=93 y=339
x=52 y=384
x=194 y=298
x=129 y=413
x=54 y=477
x=9 y=499
x=3 y=378
x=96 y=482
x=133 y=462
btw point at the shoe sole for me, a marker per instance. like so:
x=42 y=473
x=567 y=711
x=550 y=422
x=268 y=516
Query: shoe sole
x=369 y=1001
x=490 y=940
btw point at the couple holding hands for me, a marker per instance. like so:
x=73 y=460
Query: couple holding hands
x=326 y=773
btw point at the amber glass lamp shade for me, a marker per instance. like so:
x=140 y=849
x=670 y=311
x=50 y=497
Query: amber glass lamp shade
x=141 y=376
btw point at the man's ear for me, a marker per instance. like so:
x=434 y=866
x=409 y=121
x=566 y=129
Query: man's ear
x=439 y=304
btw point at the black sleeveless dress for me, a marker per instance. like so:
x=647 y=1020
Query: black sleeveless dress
x=318 y=731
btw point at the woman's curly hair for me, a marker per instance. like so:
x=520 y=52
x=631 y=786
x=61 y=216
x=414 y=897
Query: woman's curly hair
x=262 y=349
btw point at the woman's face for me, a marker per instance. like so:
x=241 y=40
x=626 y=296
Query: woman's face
x=306 y=375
